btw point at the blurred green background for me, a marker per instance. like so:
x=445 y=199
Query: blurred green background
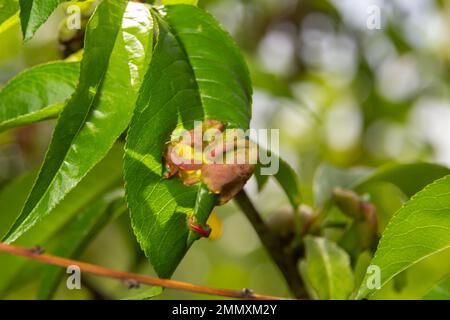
x=340 y=93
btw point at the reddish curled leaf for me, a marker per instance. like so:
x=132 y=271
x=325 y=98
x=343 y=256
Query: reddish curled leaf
x=219 y=158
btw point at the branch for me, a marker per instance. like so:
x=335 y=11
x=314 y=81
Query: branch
x=278 y=251
x=128 y=277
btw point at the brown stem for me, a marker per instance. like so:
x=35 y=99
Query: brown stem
x=278 y=251
x=127 y=276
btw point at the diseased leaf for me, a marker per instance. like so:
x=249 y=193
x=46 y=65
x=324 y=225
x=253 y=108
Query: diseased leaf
x=37 y=94
x=409 y=178
x=188 y=80
x=72 y=241
x=419 y=229
x=33 y=13
x=117 y=52
x=327 y=269
x=106 y=175
x=441 y=291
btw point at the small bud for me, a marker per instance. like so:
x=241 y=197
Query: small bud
x=307 y=217
x=282 y=222
x=370 y=215
x=357 y=207
x=348 y=202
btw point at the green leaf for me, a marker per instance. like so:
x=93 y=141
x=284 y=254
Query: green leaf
x=37 y=94
x=441 y=291
x=409 y=178
x=170 y=2
x=117 y=51
x=285 y=176
x=419 y=229
x=73 y=240
x=146 y=294
x=327 y=269
x=327 y=178
x=222 y=80
x=188 y=80
x=106 y=175
x=33 y=13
